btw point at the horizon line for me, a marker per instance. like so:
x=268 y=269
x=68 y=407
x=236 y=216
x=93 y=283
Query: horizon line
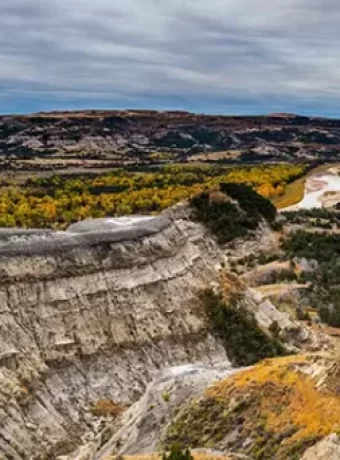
x=88 y=111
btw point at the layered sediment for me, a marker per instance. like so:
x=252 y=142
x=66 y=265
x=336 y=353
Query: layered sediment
x=92 y=313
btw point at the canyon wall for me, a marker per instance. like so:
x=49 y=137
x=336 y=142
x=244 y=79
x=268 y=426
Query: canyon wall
x=91 y=314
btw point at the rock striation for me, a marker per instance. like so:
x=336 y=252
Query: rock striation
x=141 y=426
x=92 y=313
x=327 y=449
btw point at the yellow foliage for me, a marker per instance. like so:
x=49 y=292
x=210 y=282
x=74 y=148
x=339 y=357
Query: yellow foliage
x=59 y=201
x=286 y=397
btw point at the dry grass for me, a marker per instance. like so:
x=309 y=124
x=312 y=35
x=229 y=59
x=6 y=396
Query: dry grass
x=231 y=286
x=158 y=456
x=215 y=156
x=273 y=290
x=331 y=331
x=106 y=408
x=293 y=194
x=286 y=398
x=276 y=406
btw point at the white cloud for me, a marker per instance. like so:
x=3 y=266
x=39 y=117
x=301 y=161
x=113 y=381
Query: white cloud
x=235 y=49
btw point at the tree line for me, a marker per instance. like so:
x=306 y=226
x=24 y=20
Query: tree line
x=58 y=201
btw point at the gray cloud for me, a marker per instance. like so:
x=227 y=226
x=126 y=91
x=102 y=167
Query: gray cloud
x=191 y=49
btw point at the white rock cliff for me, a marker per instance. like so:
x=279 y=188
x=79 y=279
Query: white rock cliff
x=92 y=313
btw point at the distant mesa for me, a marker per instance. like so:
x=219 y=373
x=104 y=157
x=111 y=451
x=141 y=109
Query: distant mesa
x=283 y=115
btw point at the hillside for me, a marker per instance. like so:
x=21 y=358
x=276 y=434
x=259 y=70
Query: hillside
x=283 y=408
x=276 y=410
x=265 y=308
x=90 y=314
x=99 y=139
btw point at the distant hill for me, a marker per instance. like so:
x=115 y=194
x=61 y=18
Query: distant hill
x=114 y=138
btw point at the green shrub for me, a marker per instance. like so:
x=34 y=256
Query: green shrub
x=324 y=293
x=245 y=342
x=254 y=204
x=302 y=315
x=166 y=396
x=228 y=220
x=275 y=329
x=178 y=453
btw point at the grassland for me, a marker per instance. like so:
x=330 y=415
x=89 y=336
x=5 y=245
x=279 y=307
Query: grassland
x=293 y=194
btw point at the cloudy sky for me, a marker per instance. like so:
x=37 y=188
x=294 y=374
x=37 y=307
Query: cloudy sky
x=227 y=56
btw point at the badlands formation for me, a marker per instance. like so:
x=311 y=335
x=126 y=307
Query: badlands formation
x=91 y=316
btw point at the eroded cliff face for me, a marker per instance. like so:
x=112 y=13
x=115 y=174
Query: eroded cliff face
x=91 y=314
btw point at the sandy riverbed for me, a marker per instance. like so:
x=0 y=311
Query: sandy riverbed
x=322 y=189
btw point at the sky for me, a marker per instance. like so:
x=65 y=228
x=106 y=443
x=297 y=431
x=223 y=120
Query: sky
x=212 y=56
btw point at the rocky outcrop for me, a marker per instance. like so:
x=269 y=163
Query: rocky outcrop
x=276 y=410
x=327 y=449
x=142 y=425
x=290 y=331
x=91 y=314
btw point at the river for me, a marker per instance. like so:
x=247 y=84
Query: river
x=321 y=189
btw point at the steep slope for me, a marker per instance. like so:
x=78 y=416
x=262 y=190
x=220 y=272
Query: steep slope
x=89 y=315
x=141 y=426
x=275 y=410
